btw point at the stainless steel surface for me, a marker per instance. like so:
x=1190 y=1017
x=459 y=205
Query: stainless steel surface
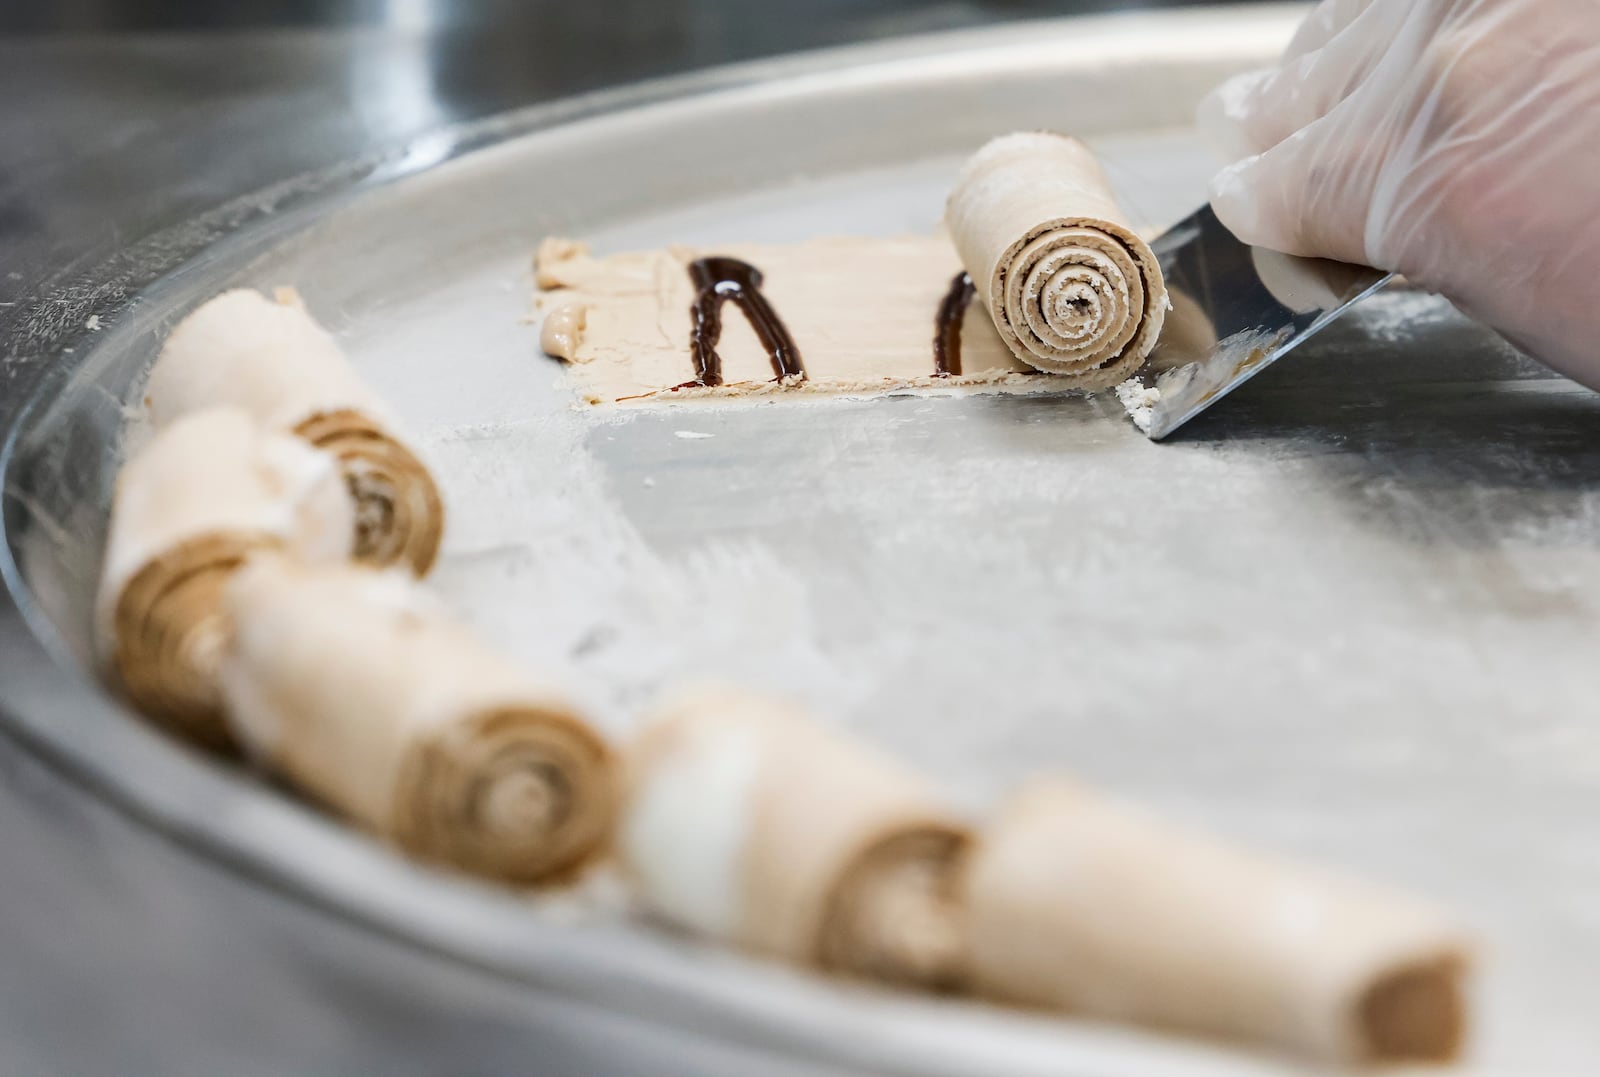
x=1346 y=615
x=624 y=22
x=1241 y=309
x=125 y=122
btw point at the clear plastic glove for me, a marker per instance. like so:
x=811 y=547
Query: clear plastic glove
x=1454 y=141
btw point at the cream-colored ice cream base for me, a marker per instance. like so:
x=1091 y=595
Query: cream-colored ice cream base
x=267 y=622
x=266 y=356
x=1069 y=283
x=863 y=314
x=214 y=472
x=336 y=675
x=1087 y=905
x=685 y=834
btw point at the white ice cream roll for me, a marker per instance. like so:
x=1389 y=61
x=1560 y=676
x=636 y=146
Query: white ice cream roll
x=357 y=686
x=1086 y=905
x=1070 y=286
x=203 y=495
x=272 y=359
x=747 y=822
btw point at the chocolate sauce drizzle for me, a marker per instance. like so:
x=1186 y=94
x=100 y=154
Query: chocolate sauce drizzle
x=716 y=281
x=947 y=326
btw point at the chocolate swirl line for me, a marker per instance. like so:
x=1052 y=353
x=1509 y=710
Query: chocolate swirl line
x=947 y=326
x=720 y=279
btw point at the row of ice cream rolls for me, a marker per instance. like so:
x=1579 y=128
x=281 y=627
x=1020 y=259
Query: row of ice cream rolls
x=261 y=595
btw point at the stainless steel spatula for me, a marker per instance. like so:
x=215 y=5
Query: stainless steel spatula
x=1236 y=310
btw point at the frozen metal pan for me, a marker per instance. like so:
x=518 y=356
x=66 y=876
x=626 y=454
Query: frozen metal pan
x=1349 y=614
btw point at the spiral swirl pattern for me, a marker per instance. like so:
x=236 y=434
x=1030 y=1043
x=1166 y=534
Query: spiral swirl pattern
x=1071 y=288
x=1075 y=299
x=171 y=631
x=895 y=915
x=520 y=794
x=399 y=511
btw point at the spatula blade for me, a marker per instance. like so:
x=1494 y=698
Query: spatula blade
x=1236 y=310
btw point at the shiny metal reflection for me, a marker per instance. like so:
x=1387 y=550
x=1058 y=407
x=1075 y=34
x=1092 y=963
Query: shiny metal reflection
x=1236 y=310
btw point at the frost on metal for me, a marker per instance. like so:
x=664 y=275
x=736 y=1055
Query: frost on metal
x=1179 y=394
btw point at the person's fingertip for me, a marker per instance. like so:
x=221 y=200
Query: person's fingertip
x=1237 y=201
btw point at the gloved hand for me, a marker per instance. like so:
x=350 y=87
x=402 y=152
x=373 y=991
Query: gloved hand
x=1454 y=141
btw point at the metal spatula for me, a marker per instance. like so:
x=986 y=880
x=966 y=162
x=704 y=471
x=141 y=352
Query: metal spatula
x=1236 y=311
